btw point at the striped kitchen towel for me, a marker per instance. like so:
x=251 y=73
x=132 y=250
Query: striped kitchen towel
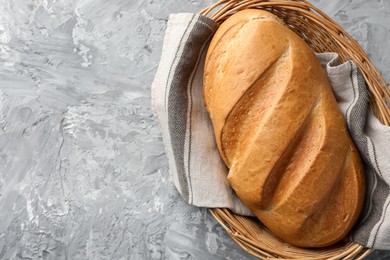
x=198 y=172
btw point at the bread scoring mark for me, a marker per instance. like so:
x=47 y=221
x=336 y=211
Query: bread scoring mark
x=218 y=53
x=332 y=203
x=253 y=106
x=311 y=180
x=218 y=60
x=306 y=136
x=214 y=50
x=308 y=223
x=219 y=57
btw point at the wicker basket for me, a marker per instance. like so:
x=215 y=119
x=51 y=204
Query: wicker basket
x=323 y=35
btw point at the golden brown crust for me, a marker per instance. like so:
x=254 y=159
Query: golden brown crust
x=280 y=132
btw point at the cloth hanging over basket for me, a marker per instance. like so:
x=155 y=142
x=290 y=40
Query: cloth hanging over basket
x=197 y=170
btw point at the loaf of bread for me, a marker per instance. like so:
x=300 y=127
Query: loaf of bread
x=280 y=132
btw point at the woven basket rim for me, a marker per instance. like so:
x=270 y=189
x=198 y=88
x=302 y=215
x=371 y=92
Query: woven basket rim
x=240 y=228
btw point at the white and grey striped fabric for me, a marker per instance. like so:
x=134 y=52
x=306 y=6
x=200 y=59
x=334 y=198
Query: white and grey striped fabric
x=196 y=168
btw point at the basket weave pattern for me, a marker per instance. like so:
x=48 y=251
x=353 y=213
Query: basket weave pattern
x=322 y=34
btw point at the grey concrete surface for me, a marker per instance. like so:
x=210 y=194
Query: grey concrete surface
x=83 y=172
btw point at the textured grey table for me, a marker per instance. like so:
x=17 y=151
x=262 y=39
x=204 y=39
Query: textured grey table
x=83 y=173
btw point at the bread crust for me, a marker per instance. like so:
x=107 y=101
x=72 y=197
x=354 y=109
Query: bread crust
x=280 y=132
